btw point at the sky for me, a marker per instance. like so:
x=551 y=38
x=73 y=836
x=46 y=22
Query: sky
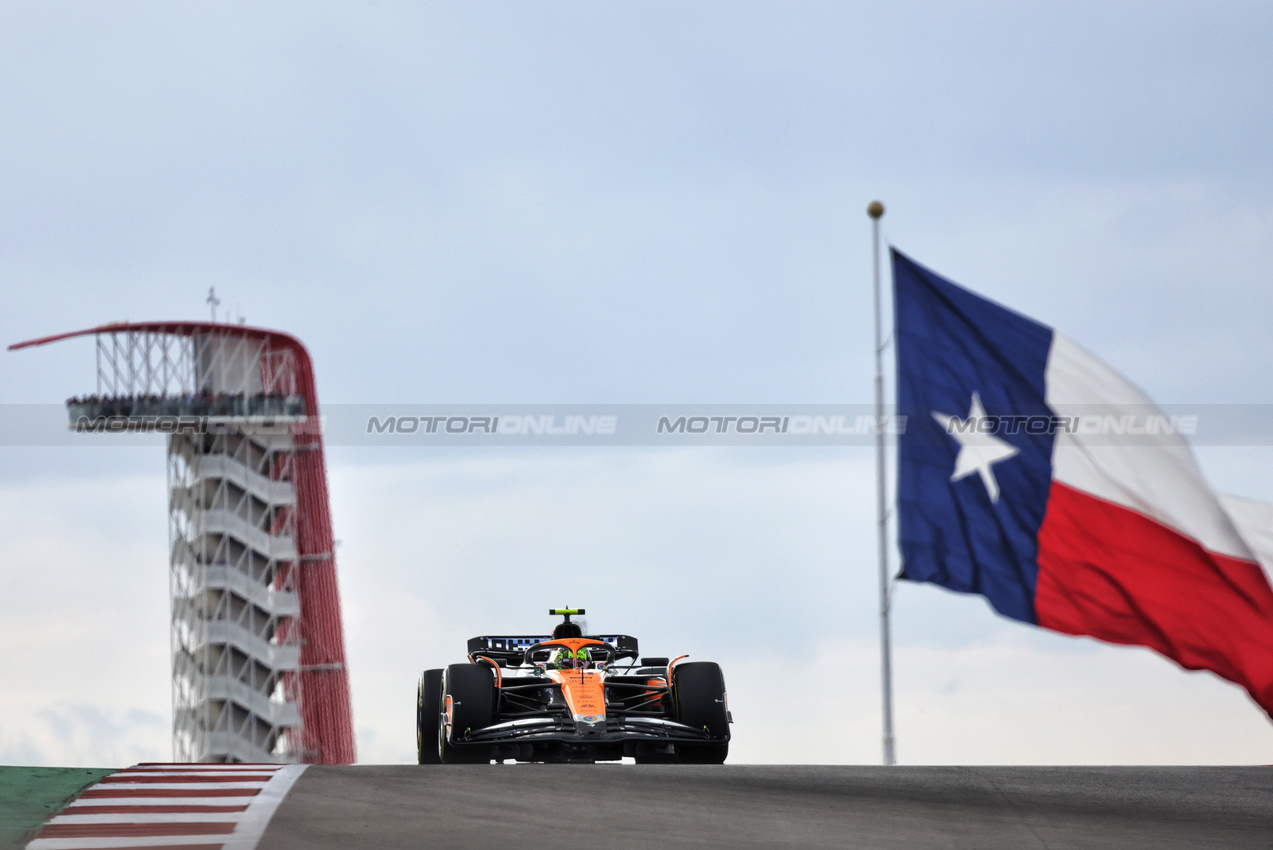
x=620 y=203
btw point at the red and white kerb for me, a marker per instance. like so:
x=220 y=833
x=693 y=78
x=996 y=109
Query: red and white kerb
x=174 y=806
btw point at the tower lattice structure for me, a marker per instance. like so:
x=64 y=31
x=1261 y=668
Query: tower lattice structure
x=258 y=656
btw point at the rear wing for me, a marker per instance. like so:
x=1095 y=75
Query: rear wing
x=510 y=647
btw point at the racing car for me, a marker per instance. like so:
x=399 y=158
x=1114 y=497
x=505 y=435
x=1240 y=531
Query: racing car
x=571 y=698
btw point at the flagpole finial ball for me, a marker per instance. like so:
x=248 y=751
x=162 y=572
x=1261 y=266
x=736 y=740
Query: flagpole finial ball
x=875 y=209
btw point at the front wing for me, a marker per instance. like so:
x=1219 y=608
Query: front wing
x=609 y=730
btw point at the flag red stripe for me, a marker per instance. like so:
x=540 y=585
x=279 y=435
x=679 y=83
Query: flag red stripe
x=1111 y=573
x=132 y=830
x=95 y=793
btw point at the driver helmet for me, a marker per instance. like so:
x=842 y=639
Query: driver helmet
x=567 y=660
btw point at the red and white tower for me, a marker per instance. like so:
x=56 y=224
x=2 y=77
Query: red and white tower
x=258 y=654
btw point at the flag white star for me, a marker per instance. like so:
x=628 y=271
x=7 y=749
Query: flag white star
x=978 y=452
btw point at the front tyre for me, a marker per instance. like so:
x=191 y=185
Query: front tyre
x=428 y=716
x=698 y=692
x=470 y=689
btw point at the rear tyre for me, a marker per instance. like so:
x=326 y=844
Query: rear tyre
x=471 y=688
x=698 y=692
x=428 y=716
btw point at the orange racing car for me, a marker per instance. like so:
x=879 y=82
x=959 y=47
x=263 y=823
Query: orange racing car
x=570 y=698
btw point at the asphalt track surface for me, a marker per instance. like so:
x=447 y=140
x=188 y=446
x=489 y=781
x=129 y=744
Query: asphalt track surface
x=652 y=806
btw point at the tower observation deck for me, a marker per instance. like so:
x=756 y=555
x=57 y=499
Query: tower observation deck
x=258 y=654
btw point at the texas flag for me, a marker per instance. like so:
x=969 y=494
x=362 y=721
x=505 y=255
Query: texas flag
x=1035 y=475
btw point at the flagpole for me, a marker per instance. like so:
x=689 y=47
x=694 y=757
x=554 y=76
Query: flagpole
x=876 y=210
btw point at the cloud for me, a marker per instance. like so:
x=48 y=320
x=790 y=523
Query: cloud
x=19 y=749
x=1020 y=701
x=84 y=621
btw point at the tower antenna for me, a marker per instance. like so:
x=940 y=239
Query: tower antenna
x=213 y=301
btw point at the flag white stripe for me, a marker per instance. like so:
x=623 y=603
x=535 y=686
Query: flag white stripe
x=1254 y=521
x=1161 y=481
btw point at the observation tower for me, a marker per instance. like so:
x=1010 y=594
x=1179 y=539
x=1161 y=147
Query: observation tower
x=258 y=653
